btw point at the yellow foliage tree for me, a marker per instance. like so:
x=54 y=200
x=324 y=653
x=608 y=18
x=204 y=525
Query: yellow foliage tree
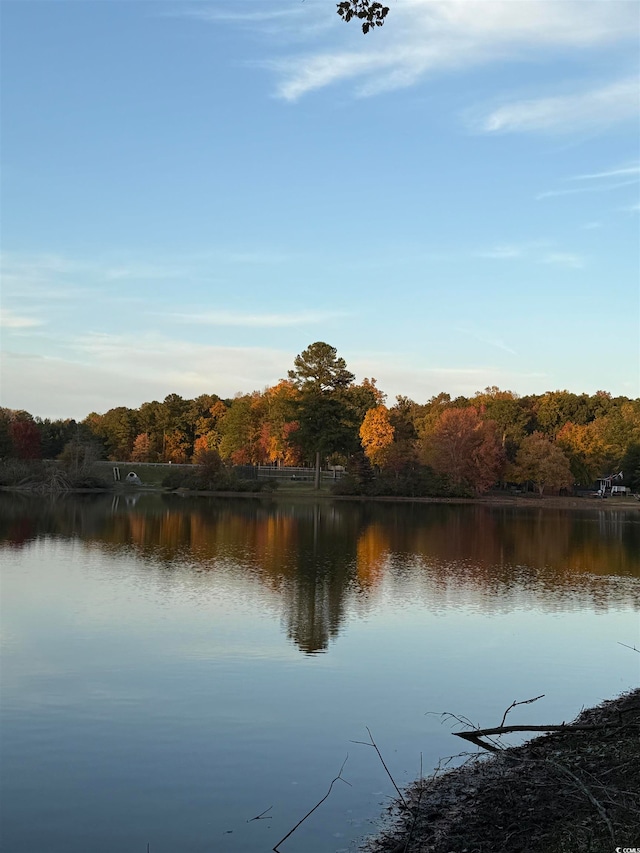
x=376 y=434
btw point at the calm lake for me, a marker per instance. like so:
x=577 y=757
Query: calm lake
x=174 y=667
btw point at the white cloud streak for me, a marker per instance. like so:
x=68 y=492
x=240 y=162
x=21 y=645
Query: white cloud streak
x=230 y=318
x=424 y=37
x=10 y=320
x=567 y=260
x=100 y=371
x=606 y=105
x=598 y=188
x=538 y=252
x=611 y=173
x=485 y=337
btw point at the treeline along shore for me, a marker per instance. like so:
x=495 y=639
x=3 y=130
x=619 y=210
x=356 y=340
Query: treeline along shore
x=554 y=443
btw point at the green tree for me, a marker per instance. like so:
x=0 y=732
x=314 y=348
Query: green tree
x=505 y=409
x=118 y=429
x=631 y=466
x=325 y=426
x=319 y=369
x=56 y=434
x=327 y=422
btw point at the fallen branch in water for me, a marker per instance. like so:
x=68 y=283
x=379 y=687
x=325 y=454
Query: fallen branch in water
x=633 y=648
x=317 y=805
x=475 y=735
x=261 y=816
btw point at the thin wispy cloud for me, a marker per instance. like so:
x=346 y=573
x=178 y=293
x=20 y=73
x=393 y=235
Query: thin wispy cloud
x=485 y=337
x=281 y=23
x=568 y=260
x=231 y=318
x=600 y=107
x=10 y=320
x=598 y=188
x=611 y=173
x=424 y=37
x=142 y=271
x=238 y=16
x=180 y=365
x=535 y=251
x=500 y=253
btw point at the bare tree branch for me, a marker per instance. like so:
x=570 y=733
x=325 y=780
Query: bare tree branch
x=523 y=702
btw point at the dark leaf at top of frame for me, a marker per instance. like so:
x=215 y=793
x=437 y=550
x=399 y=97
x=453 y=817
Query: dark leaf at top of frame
x=372 y=14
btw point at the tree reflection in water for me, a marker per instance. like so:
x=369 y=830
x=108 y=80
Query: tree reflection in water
x=326 y=561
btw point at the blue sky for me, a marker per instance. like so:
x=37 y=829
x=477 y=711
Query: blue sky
x=193 y=192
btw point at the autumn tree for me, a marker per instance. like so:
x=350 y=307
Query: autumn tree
x=585 y=449
x=427 y=417
x=208 y=427
x=376 y=434
x=466 y=449
x=241 y=431
x=142 y=448
x=176 y=447
x=279 y=423
x=541 y=461
x=150 y=421
x=25 y=437
x=177 y=443
x=6 y=445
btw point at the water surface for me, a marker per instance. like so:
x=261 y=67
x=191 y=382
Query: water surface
x=174 y=667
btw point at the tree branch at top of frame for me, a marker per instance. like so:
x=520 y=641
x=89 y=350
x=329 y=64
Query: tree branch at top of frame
x=371 y=14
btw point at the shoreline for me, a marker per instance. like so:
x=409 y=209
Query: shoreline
x=530 y=501
x=564 y=791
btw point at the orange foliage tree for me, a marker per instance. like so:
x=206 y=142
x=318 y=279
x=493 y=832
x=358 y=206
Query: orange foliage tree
x=142 y=449
x=466 y=449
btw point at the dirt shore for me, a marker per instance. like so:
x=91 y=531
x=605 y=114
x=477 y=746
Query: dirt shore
x=568 y=791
